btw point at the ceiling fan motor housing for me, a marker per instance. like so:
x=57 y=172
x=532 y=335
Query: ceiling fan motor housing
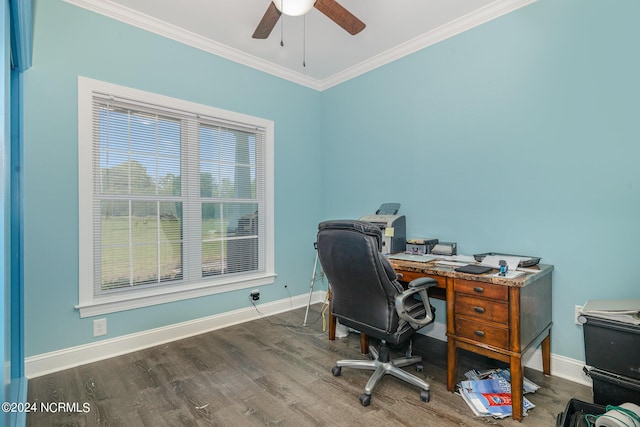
x=330 y=8
x=294 y=7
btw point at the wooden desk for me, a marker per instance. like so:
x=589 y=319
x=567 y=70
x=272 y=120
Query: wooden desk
x=492 y=316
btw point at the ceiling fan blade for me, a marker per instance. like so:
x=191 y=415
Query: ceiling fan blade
x=341 y=16
x=267 y=22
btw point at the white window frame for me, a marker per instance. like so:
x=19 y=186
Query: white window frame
x=94 y=305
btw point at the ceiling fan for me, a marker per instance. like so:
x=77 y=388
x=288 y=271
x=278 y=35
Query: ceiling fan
x=331 y=8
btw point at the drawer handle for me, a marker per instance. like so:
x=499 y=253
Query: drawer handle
x=478 y=289
x=479 y=333
x=478 y=309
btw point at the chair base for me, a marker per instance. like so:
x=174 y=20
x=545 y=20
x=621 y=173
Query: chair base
x=381 y=365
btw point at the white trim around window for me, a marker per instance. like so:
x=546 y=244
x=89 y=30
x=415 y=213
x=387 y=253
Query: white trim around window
x=195 y=206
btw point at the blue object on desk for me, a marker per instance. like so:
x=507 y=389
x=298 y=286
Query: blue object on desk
x=503 y=267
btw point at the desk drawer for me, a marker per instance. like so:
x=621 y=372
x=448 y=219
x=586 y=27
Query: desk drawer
x=486 y=290
x=482 y=309
x=482 y=332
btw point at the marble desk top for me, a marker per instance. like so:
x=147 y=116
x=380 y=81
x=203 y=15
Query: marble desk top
x=434 y=268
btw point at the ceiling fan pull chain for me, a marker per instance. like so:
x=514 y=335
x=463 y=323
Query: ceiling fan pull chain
x=282 y=31
x=304 y=41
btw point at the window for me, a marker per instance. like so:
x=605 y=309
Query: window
x=175 y=199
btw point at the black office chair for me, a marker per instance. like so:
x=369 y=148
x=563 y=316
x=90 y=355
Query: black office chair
x=366 y=296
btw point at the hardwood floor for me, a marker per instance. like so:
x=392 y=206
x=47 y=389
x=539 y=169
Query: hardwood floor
x=269 y=372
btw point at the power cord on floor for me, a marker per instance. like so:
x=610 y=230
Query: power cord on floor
x=287 y=324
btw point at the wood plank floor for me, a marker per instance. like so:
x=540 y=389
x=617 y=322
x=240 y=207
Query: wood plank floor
x=269 y=372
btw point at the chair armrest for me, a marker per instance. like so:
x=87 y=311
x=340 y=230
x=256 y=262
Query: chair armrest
x=426 y=282
x=417 y=286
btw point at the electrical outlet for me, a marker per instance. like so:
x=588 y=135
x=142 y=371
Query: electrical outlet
x=576 y=314
x=99 y=327
x=255 y=295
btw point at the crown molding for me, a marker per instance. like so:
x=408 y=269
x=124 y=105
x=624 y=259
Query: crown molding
x=457 y=26
x=132 y=17
x=129 y=16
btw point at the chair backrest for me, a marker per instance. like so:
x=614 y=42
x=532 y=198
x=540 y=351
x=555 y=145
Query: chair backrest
x=363 y=282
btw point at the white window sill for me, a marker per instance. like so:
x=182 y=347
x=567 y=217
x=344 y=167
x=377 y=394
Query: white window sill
x=100 y=306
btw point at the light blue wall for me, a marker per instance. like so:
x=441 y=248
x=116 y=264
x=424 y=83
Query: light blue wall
x=69 y=41
x=519 y=136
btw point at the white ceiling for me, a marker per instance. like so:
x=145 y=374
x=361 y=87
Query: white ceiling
x=394 y=28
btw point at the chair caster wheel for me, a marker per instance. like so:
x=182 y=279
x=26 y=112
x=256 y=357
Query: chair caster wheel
x=425 y=395
x=419 y=367
x=365 y=399
x=336 y=371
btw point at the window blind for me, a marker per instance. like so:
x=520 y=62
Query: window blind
x=178 y=197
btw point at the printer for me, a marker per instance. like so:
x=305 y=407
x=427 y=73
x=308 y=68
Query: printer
x=394 y=231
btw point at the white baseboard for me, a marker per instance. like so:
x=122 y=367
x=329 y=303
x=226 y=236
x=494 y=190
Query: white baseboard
x=59 y=360
x=561 y=366
x=55 y=361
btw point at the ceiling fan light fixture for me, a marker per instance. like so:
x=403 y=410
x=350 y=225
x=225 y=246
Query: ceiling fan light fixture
x=294 y=7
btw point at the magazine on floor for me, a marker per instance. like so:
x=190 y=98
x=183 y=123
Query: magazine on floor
x=488 y=393
x=490 y=398
x=528 y=385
